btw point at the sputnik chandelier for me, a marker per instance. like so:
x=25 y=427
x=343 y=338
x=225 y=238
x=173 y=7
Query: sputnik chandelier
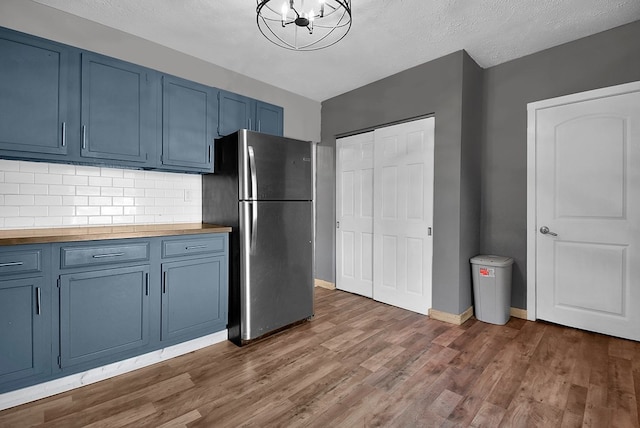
x=302 y=25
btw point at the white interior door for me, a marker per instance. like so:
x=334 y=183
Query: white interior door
x=403 y=214
x=354 y=214
x=587 y=218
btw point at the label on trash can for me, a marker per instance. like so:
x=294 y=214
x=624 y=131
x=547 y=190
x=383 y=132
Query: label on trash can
x=487 y=272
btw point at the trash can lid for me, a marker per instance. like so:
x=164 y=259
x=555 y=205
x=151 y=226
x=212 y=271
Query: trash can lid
x=486 y=259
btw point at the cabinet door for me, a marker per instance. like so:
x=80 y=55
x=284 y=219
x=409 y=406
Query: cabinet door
x=194 y=297
x=24 y=339
x=188 y=115
x=269 y=118
x=234 y=112
x=118 y=112
x=34 y=98
x=103 y=313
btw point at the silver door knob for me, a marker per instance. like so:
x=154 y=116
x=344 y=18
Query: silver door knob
x=545 y=231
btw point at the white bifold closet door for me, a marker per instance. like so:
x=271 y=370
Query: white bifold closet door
x=385 y=214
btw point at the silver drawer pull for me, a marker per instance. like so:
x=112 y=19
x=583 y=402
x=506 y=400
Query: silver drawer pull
x=100 y=256
x=195 y=247
x=11 y=264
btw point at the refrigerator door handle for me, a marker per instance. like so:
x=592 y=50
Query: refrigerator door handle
x=254 y=225
x=253 y=172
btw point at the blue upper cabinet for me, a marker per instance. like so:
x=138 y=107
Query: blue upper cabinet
x=119 y=108
x=234 y=113
x=269 y=118
x=35 y=96
x=238 y=112
x=62 y=104
x=189 y=112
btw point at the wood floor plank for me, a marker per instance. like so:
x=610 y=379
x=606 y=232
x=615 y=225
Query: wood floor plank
x=360 y=363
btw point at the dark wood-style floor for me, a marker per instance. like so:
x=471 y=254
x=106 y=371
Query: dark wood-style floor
x=360 y=363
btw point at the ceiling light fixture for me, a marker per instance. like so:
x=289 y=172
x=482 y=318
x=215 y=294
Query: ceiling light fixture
x=304 y=27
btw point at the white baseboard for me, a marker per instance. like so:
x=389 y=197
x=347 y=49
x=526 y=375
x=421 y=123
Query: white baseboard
x=57 y=386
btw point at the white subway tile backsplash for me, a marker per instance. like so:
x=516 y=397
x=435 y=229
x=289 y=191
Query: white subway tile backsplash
x=111 y=172
x=35 y=167
x=87 y=170
x=9 y=211
x=61 y=189
x=123 y=182
x=100 y=200
x=66 y=211
x=49 y=221
x=34 y=189
x=144 y=183
x=134 y=192
x=122 y=201
x=100 y=181
x=123 y=219
x=9 y=188
x=132 y=211
x=88 y=211
x=99 y=220
x=19 y=222
x=62 y=169
x=18 y=177
x=35 y=194
x=52 y=201
x=111 y=191
x=19 y=200
x=108 y=210
x=9 y=165
x=34 y=211
x=75 y=200
x=75 y=221
x=87 y=191
x=75 y=180
x=47 y=178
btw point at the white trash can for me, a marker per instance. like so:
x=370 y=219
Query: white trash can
x=492 y=288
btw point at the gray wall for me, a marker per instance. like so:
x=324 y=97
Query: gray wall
x=432 y=88
x=604 y=59
x=301 y=117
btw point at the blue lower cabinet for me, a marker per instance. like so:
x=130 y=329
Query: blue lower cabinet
x=25 y=335
x=103 y=313
x=194 y=297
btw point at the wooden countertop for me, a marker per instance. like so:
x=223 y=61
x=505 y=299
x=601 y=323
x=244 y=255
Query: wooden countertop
x=90 y=233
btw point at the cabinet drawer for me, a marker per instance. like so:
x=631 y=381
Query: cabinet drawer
x=103 y=254
x=184 y=247
x=19 y=262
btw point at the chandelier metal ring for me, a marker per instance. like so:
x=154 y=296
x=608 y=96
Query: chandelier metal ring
x=297 y=26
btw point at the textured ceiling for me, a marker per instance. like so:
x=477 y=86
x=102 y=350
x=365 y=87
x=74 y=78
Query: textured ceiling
x=387 y=36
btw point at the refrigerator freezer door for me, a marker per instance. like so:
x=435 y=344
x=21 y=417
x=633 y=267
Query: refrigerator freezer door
x=276 y=281
x=274 y=168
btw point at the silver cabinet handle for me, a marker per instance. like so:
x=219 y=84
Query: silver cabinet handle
x=11 y=264
x=164 y=282
x=38 y=300
x=84 y=137
x=100 y=256
x=64 y=134
x=195 y=247
x=545 y=231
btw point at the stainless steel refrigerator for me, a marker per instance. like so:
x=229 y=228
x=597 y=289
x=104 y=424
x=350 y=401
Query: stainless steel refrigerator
x=263 y=187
